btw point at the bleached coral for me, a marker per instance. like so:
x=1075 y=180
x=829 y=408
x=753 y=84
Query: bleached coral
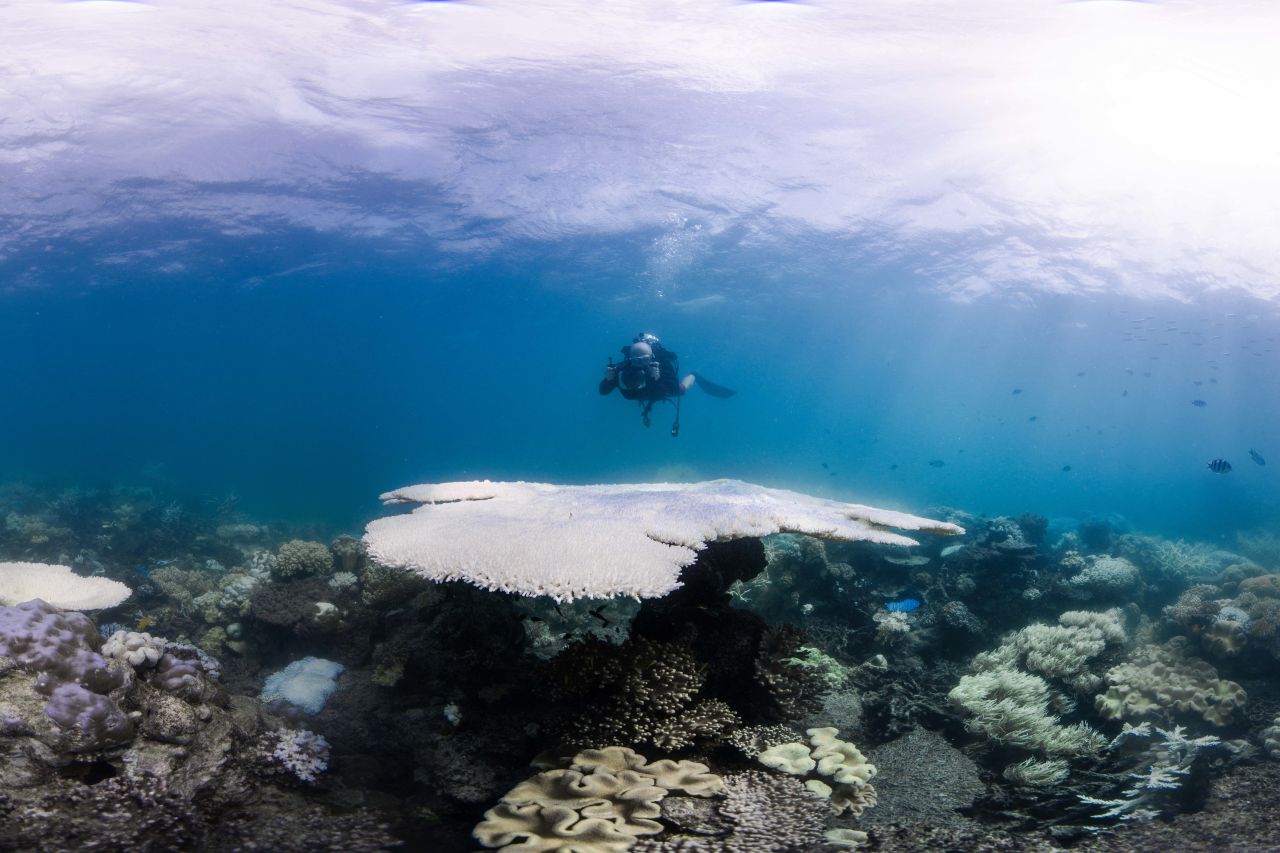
x=298 y=753
x=1060 y=651
x=1174 y=760
x=137 y=649
x=1013 y=708
x=602 y=541
x=1160 y=682
x=1034 y=773
x=58 y=586
x=836 y=769
x=1104 y=576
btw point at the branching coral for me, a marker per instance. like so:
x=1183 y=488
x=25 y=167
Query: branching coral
x=640 y=692
x=1175 y=757
x=299 y=557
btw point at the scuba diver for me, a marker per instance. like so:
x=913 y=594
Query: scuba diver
x=649 y=374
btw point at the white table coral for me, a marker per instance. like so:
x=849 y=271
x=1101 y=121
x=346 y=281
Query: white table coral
x=59 y=586
x=603 y=540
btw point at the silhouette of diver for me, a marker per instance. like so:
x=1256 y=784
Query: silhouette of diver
x=648 y=373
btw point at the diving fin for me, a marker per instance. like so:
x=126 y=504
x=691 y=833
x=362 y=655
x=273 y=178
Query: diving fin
x=712 y=388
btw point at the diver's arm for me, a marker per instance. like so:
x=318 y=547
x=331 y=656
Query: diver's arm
x=610 y=380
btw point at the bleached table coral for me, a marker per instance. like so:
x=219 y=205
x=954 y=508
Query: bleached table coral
x=58 y=586
x=601 y=541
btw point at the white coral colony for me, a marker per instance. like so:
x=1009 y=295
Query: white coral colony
x=604 y=540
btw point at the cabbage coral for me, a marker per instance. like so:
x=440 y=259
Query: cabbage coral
x=601 y=541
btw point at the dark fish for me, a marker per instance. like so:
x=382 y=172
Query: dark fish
x=1198 y=382
x=1199 y=404
x=1256 y=457
x=1219 y=466
x=1033 y=417
x=1066 y=467
x=1080 y=373
x=598 y=615
x=936 y=463
x=833 y=473
x=1213 y=381
x=893 y=467
x=1016 y=391
x=824 y=465
x=1124 y=393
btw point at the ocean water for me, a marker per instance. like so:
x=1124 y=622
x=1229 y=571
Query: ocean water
x=263 y=265
x=310 y=393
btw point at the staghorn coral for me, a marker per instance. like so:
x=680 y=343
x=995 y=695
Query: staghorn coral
x=608 y=541
x=640 y=692
x=1161 y=682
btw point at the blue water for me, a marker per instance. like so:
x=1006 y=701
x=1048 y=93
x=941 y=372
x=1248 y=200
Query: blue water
x=309 y=259
x=308 y=390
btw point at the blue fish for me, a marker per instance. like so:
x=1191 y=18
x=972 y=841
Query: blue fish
x=1256 y=457
x=1199 y=404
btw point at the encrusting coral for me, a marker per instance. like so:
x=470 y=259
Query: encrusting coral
x=630 y=540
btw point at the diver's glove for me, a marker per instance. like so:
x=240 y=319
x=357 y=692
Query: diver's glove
x=654 y=372
x=611 y=374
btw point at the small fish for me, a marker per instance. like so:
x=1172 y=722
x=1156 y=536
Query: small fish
x=1066 y=467
x=1199 y=404
x=833 y=473
x=893 y=467
x=1256 y=457
x=1080 y=373
x=597 y=614
x=1219 y=466
x=1124 y=393
x=1016 y=391
x=936 y=463
x=1198 y=382
x=1034 y=418
x=824 y=465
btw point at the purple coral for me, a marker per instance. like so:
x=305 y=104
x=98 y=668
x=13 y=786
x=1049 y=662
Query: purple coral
x=182 y=678
x=58 y=648
x=296 y=752
x=100 y=719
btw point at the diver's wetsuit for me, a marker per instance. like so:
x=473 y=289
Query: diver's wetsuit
x=667 y=386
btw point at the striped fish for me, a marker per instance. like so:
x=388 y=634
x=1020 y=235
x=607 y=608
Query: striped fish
x=1220 y=466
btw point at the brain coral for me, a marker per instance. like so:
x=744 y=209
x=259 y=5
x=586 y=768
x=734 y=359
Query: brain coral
x=602 y=541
